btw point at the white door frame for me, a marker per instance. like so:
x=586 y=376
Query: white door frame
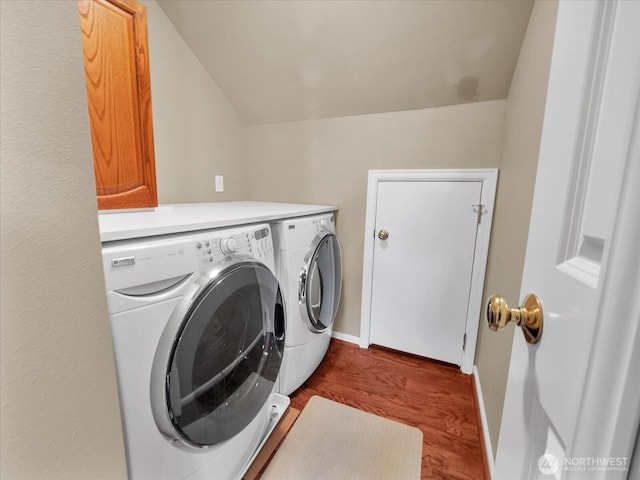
x=489 y=179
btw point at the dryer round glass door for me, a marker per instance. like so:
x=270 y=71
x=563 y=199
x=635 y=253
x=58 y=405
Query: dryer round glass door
x=224 y=356
x=321 y=282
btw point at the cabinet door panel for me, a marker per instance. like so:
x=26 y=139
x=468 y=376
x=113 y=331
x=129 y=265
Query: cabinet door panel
x=114 y=38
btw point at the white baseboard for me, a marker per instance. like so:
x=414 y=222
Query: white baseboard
x=345 y=337
x=485 y=426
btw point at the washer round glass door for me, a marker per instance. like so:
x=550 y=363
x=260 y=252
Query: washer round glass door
x=225 y=356
x=321 y=282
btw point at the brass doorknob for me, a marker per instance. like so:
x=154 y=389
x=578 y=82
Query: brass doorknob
x=529 y=316
x=383 y=234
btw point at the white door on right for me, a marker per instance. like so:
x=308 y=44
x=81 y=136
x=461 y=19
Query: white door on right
x=588 y=127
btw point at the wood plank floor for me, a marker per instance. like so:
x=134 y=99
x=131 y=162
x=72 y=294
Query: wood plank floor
x=438 y=399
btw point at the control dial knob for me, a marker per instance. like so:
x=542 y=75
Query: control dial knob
x=228 y=245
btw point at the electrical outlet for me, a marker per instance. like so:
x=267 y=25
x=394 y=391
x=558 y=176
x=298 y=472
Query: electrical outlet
x=219 y=183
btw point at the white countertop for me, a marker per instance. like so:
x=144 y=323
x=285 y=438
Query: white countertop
x=188 y=217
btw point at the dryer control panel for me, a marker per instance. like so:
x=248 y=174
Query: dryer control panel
x=298 y=233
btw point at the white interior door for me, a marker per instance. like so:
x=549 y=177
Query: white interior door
x=422 y=271
x=588 y=127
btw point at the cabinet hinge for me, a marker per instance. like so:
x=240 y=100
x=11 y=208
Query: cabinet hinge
x=479 y=209
x=464 y=342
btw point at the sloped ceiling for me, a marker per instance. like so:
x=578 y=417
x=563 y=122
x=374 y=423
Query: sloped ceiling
x=292 y=60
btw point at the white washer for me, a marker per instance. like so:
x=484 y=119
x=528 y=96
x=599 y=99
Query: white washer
x=309 y=267
x=198 y=332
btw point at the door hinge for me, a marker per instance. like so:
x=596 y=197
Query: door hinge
x=464 y=342
x=479 y=209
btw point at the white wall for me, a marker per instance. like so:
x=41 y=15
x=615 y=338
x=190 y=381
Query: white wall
x=59 y=404
x=197 y=133
x=326 y=161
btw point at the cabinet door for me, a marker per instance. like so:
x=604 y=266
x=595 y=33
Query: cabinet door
x=116 y=61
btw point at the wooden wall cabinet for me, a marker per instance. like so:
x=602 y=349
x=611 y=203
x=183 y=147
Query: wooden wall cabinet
x=116 y=62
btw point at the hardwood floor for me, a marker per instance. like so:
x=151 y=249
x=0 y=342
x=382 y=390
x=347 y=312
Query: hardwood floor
x=436 y=398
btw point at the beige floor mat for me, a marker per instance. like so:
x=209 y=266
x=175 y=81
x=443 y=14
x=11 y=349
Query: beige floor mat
x=333 y=441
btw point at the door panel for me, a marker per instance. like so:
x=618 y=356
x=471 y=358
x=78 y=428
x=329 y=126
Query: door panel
x=584 y=144
x=422 y=271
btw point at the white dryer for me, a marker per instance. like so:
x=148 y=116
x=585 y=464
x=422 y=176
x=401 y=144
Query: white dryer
x=198 y=330
x=309 y=267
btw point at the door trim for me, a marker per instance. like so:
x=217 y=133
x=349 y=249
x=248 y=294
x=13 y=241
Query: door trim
x=489 y=179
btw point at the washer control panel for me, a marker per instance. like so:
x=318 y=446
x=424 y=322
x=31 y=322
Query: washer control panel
x=132 y=263
x=255 y=242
